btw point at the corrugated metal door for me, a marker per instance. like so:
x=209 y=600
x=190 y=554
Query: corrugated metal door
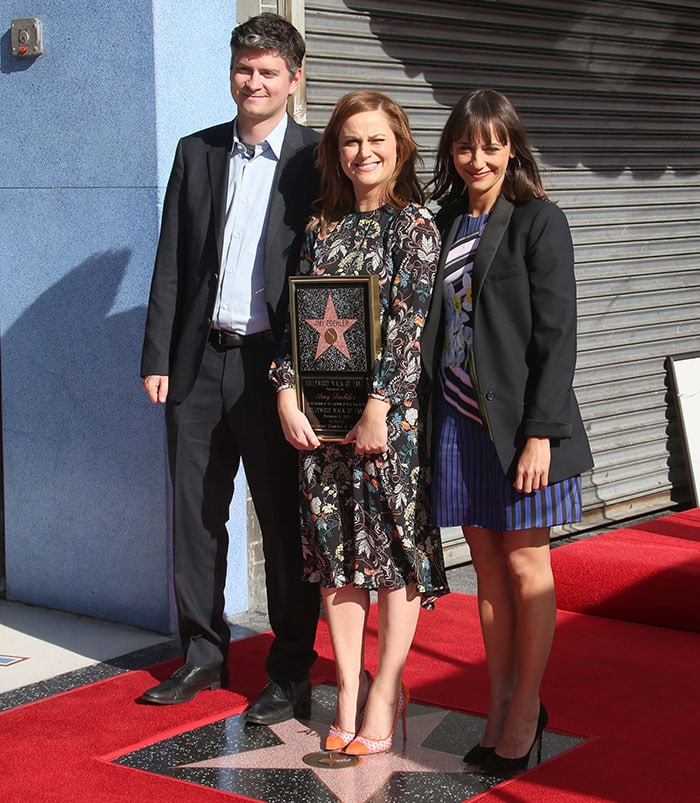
x=609 y=92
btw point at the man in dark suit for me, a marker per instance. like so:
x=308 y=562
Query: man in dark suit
x=234 y=213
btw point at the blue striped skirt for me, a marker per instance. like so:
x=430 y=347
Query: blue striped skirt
x=471 y=489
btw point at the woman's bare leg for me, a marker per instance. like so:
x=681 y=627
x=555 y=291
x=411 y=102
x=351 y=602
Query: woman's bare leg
x=528 y=558
x=497 y=616
x=398 y=611
x=346 y=613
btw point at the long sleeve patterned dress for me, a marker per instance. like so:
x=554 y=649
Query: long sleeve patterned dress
x=365 y=519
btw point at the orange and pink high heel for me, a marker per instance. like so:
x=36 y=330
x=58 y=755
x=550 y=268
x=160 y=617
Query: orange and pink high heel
x=338 y=738
x=364 y=746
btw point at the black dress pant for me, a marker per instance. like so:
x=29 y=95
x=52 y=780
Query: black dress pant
x=231 y=415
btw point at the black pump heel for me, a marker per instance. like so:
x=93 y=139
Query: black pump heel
x=478 y=754
x=542 y=721
x=498 y=765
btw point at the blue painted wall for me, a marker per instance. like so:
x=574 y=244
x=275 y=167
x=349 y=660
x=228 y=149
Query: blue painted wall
x=87 y=139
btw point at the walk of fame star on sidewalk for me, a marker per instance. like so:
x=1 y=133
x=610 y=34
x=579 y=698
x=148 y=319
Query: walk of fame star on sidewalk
x=280 y=763
x=353 y=784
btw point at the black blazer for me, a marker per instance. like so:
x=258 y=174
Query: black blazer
x=524 y=306
x=186 y=274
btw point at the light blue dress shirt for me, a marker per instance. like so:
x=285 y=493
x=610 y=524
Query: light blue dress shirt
x=240 y=303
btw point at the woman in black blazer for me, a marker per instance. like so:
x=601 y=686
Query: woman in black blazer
x=509 y=443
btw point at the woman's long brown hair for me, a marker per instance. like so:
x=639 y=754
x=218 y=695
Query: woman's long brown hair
x=477 y=117
x=337 y=197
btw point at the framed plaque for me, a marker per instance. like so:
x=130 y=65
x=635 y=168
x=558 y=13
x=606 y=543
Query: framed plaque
x=335 y=341
x=685 y=383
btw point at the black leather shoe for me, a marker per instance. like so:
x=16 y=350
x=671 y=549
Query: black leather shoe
x=184 y=684
x=279 y=702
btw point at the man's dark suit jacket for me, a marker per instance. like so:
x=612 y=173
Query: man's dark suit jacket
x=186 y=274
x=524 y=306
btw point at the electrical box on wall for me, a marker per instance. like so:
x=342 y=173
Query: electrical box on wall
x=27 y=41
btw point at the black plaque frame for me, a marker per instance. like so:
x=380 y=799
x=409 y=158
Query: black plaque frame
x=335 y=341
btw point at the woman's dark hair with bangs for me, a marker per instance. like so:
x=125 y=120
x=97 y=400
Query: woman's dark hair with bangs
x=473 y=118
x=337 y=195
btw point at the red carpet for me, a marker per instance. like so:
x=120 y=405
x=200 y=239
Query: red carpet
x=649 y=573
x=630 y=688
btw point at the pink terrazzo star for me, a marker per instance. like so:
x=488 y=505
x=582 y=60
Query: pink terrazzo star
x=354 y=784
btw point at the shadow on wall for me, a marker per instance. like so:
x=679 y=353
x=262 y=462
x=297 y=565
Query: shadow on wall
x=583 y=81
x=8 y=62
x=84 y=454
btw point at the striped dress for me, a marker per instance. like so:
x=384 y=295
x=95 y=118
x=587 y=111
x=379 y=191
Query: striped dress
x=470 y=487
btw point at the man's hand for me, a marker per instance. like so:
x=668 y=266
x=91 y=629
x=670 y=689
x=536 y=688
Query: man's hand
x=156 y=387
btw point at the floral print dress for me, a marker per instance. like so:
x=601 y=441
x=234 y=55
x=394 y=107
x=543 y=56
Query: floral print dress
x=365 y=519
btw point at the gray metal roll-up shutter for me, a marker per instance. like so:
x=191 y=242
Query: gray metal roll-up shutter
x=609 y=92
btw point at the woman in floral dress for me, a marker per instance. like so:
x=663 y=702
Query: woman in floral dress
x=364 y=501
